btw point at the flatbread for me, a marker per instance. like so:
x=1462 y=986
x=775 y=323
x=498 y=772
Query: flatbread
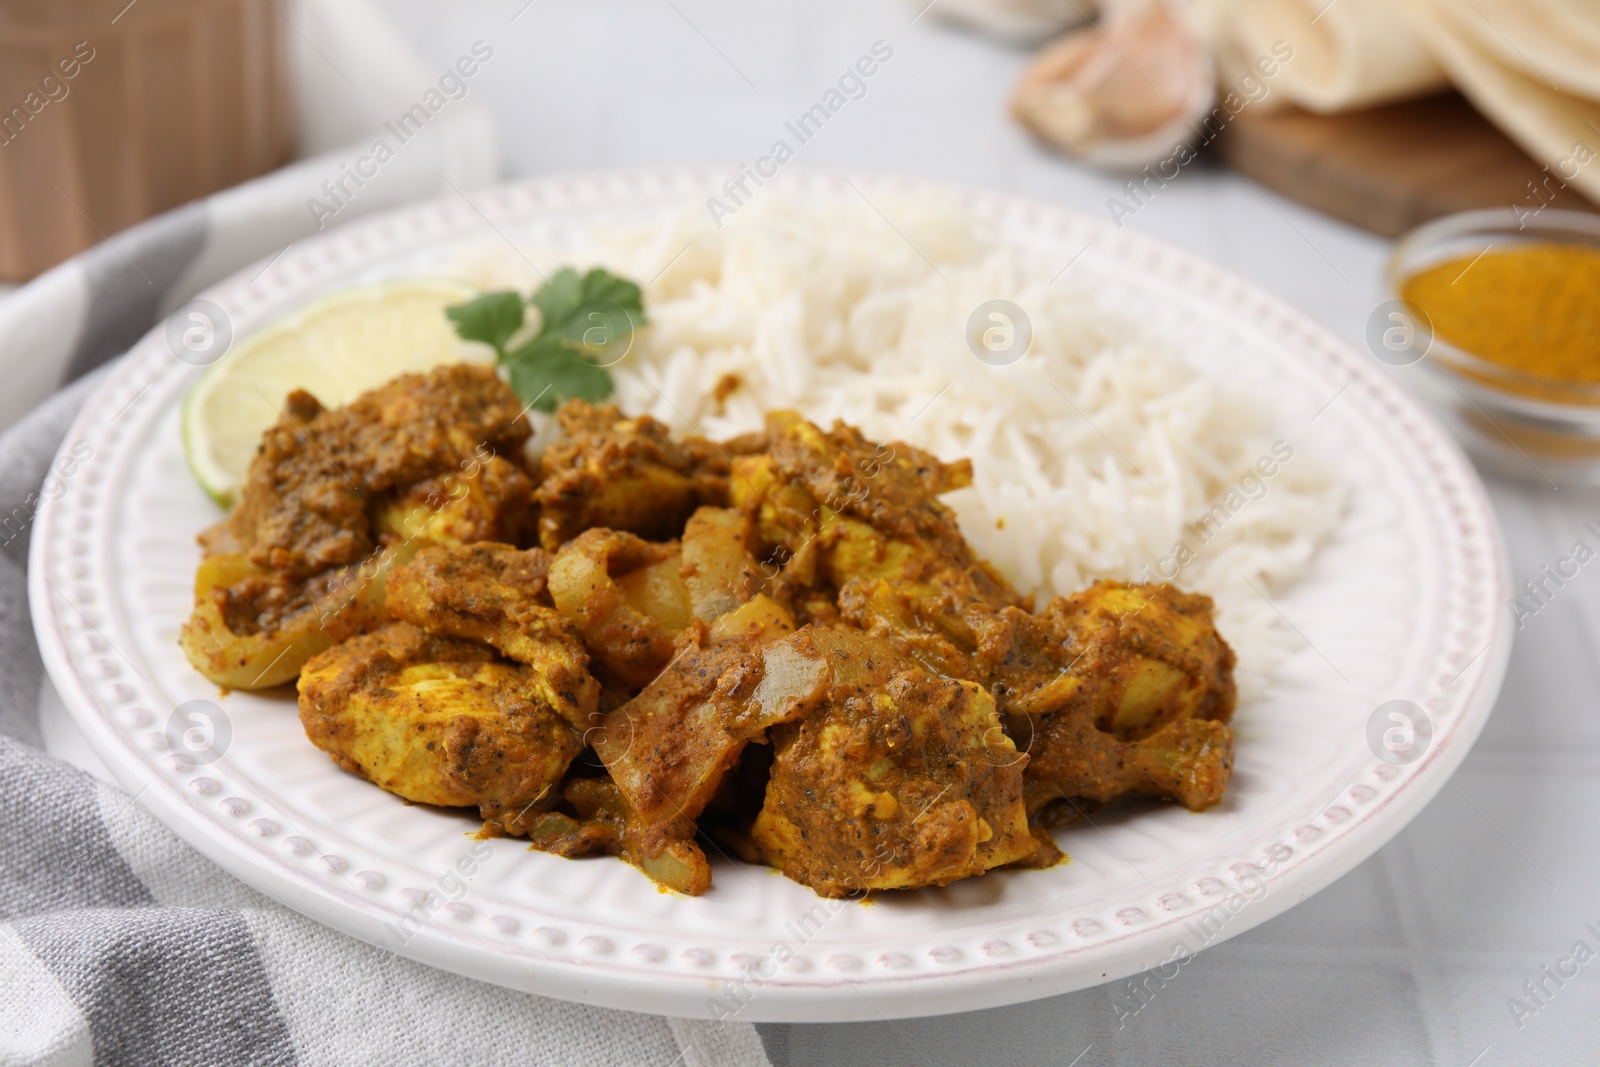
x=1553 y=41
x=1347 y=54
x=1559 y=129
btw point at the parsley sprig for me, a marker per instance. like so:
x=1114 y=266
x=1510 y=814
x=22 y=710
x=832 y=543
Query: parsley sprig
x=586 y=324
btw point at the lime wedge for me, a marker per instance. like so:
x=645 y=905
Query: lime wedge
x=336 y=348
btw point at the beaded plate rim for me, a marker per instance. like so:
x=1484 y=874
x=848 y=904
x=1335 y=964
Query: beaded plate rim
x=603 y=964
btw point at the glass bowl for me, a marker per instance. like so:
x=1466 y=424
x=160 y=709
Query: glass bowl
x=1524 y=425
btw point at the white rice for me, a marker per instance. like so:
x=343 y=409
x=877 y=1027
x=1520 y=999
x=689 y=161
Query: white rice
x=1094 y=454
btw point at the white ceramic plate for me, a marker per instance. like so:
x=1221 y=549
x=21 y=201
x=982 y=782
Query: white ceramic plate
x=1403 y=603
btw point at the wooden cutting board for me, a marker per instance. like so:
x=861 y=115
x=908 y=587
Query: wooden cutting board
x=1388 y=169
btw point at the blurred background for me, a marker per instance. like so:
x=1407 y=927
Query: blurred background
x=1380 y=115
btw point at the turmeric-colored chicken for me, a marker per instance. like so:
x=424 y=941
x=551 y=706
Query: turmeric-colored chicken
x=1120 y=689
x=846 y=519
x=439 y=720
x=782 y=643
x=898 y=778
x=1117 y=689
x=335 y=499
x=624 y=474
x=495 y=595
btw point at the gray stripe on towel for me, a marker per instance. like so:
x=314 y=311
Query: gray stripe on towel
x=75 y=865
x=165 y=986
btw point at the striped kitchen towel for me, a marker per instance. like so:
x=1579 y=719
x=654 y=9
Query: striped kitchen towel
x=119 y=944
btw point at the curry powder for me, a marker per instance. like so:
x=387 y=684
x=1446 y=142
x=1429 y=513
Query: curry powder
x=1533 y=308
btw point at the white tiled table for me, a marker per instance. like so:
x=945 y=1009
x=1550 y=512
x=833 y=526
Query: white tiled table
x=1410 y=959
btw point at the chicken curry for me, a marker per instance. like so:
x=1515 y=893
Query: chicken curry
x=644 y=646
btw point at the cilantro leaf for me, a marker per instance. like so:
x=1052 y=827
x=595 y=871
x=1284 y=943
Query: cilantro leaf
x=602 y=326
x=602 y=287
x=586 y=324
x=602 y=332
x=571 y=307
x=491 y=318
x=545 y=372
x=557 y=299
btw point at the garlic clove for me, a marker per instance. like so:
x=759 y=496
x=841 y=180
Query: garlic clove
x=1120 y=94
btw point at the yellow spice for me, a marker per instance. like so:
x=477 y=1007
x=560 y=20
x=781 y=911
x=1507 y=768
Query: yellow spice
x=1533 y=308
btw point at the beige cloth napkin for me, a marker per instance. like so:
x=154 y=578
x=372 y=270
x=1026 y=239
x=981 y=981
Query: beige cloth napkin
x=1531 y=66
x=1347 y=53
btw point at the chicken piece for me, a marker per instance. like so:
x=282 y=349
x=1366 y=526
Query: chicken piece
x=907 y=576
x=626 y=598
x=891 y=487
x=624 y=474
x=897 y=779
x=1117 y=689
x=305 y=505
x=939 y=632
x=837 y=512
x=1152 y=653
x=299 y=564
x=439 y=720
x=1188 y=761
x=493 y=503
x=253 y=627
x=495 y=595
